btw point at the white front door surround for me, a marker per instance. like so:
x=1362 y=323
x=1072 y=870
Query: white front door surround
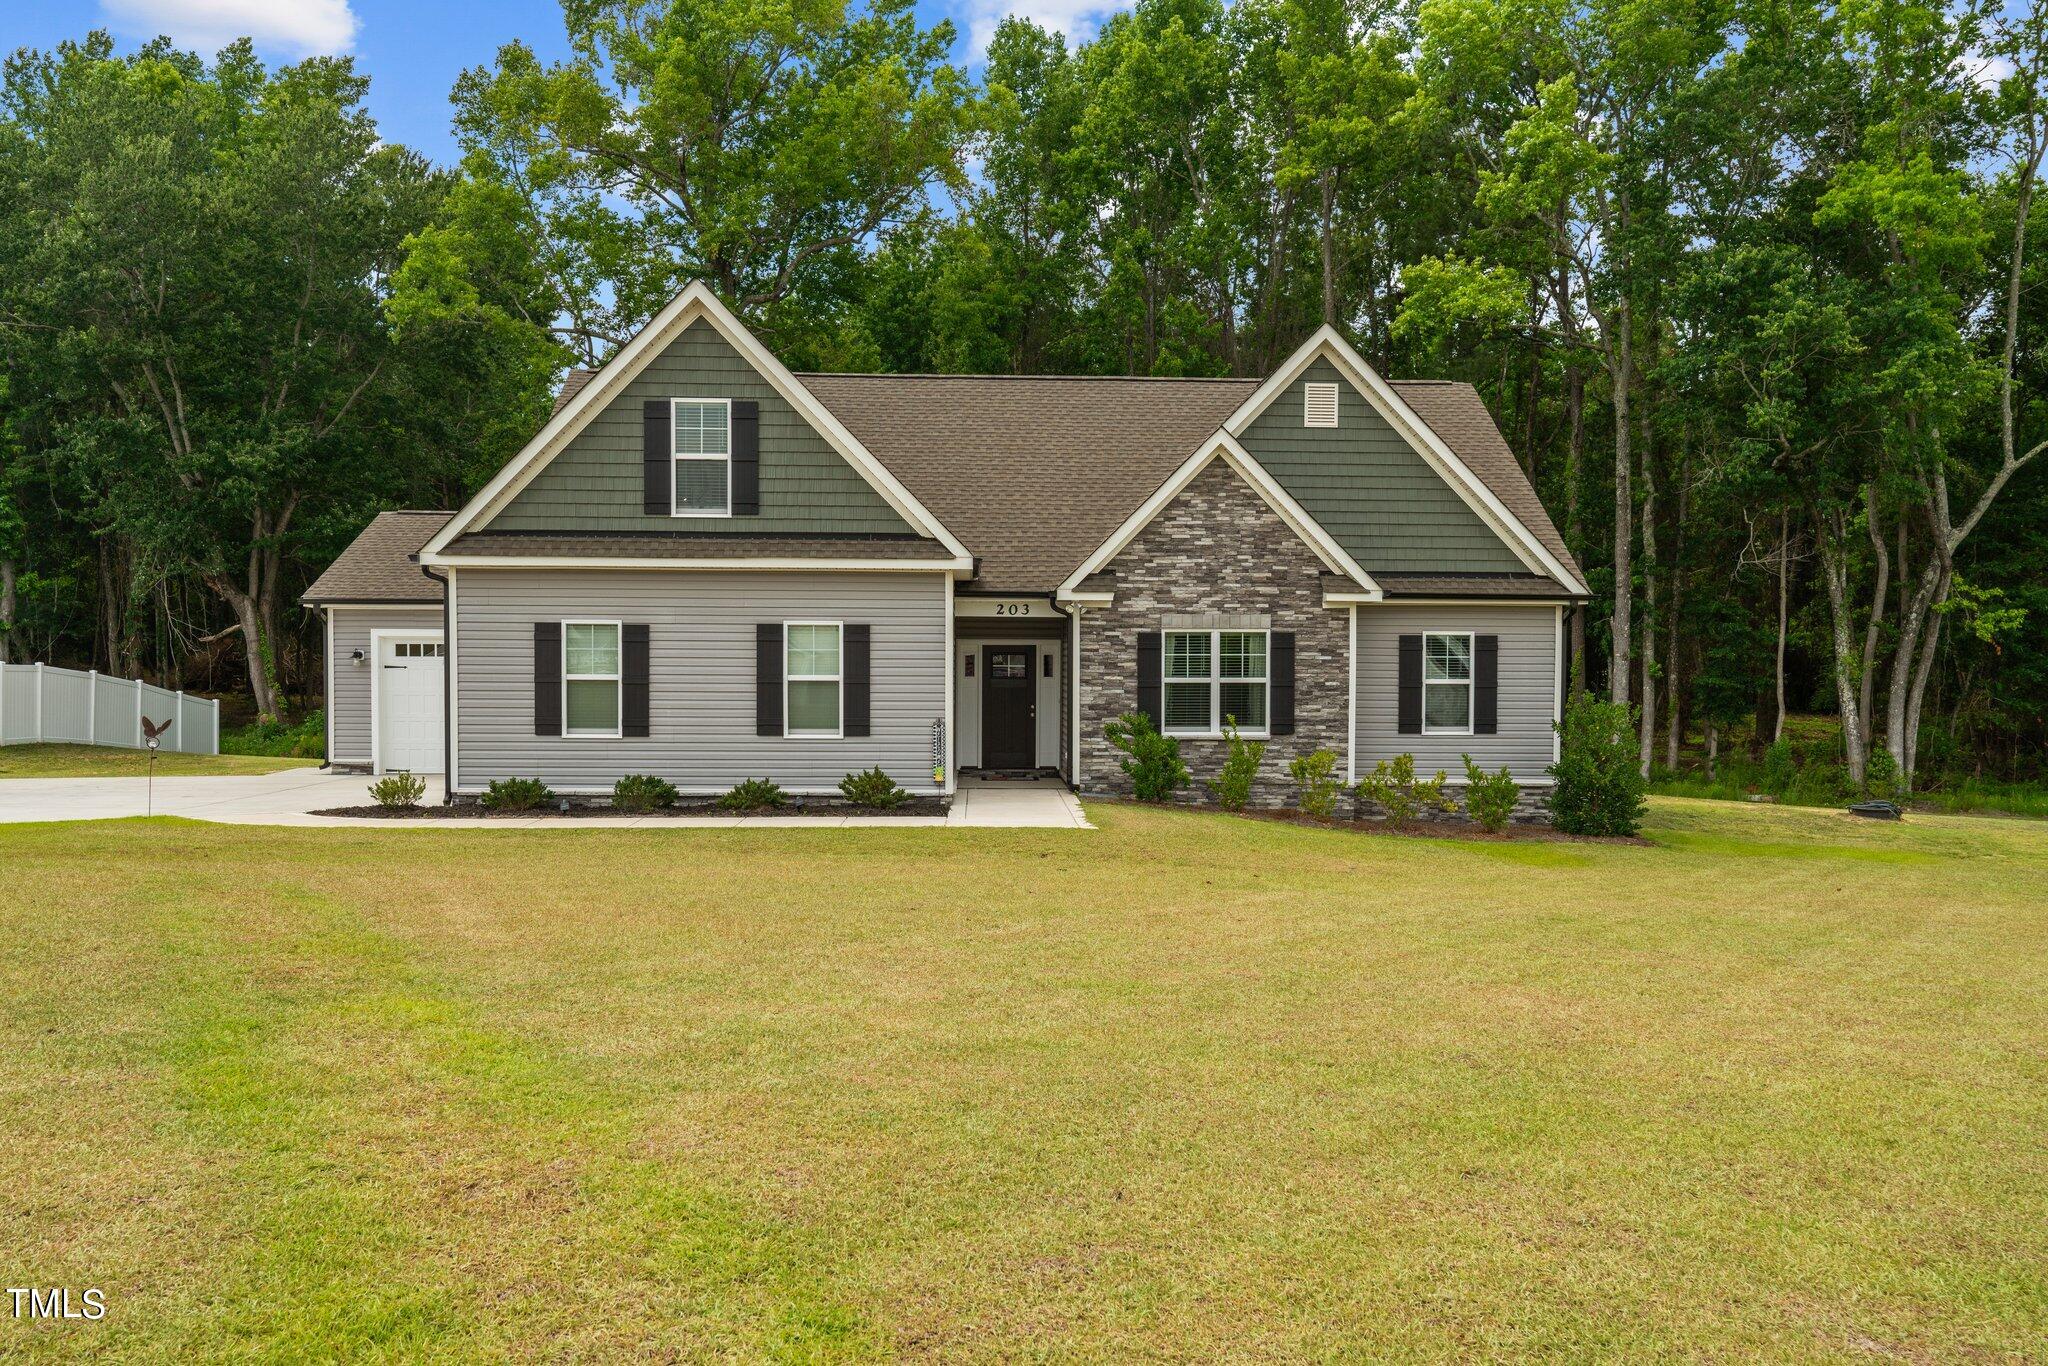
x=407 y=699
x=970 y=663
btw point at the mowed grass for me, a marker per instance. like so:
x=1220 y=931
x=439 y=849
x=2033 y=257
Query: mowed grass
x=1189 y=1087
x=100 y=761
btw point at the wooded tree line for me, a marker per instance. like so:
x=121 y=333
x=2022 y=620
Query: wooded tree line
x=1745 y=282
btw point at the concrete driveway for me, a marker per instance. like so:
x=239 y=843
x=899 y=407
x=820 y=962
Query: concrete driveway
x=287 y=798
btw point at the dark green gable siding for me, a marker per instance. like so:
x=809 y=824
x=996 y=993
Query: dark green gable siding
x=1370 y=489
x=594 y=484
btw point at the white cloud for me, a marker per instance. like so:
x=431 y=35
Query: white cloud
x=297 y=28
x=1078 y=19
x=1988 y=72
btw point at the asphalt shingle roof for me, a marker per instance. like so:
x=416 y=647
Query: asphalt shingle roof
x=378 y=566
x=1032 y=473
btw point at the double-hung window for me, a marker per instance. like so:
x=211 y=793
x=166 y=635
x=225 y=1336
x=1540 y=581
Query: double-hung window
x=590 y=678
x=1211 y=677
x=812 y=677
x=702 y=428
x=1446 y=683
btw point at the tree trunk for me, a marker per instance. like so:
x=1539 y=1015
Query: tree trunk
x=1646 y=724
x=1834 y=563
x=1713 y=750
x=1329 y=245
x=1914 y=650
x=1873 y=630
x=256 y=647
x=1620 y=653
x=1574 y=455
x=1910 y=766
x=1674 y=728
x=7 y=578
x=1784 y=615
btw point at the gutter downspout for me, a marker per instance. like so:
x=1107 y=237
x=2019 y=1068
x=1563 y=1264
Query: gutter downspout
x=447 y=686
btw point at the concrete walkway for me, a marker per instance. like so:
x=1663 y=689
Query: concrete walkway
x=288 y=798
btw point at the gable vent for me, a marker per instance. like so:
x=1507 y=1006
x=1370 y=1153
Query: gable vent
x=1319 y=405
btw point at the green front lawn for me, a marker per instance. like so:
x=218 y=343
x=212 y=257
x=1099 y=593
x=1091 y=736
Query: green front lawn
x=99 y=761
x=1188 y=1087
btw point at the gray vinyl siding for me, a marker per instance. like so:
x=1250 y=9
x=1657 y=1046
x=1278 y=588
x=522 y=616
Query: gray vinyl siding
x=1528 y=689
x=348 y=686
x=594 y=484
x=1370 y=489
x=701 y=678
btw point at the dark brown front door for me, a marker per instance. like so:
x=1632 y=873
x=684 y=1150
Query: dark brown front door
x=1009 y=718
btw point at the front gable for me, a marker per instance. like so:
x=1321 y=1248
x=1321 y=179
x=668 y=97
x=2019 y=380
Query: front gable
x=1387 y=486
x=1257 y=516
x=594 y=483
x=1370 y=488
x=591 y=471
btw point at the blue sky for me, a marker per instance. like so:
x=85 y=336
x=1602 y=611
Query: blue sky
x=414 y=49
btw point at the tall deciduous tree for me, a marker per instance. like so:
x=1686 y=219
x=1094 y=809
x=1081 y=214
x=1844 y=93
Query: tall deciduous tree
x=742 y=142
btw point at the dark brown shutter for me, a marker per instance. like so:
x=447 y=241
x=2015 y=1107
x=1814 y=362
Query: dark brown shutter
x=547 y=678
x=768 y=678
x=1408 y=686
x=1148 y=676
x=746 y=458
x=853 y=674
x=1280 y=706
x=635 y=658
x=1486 y=685
x=657 y=459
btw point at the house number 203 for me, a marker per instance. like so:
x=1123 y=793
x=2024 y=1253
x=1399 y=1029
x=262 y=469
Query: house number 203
x=1013 y=609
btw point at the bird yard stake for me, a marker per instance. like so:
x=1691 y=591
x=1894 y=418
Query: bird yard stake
x=150 y=731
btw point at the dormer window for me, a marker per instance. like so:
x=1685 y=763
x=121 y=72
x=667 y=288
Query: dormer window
x=1319 y=405
x=702 y=428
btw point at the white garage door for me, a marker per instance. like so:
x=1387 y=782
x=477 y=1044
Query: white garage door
x=408 y=702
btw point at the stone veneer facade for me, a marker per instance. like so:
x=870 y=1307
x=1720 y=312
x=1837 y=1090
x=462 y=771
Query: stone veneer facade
x=1217 y=548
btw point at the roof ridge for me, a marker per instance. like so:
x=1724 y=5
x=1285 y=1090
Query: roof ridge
x=1127 y=379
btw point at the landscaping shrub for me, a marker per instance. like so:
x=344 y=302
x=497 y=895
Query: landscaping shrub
x=305 y=738
x=643 y=792
x=1781 y=766
x=1152 y=760
x=1316 y=775
x=398 y=791
x=872 y=788
x=516 y=794
x=1394 y=789
x=1821 y=783
x=1599 y=789
x=1233 y=787
x=1490 y=797
x=754 y=794
x=1881 y=775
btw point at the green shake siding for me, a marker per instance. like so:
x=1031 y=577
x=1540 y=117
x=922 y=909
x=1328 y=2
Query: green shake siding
x=1370 y=490
x=594 y=484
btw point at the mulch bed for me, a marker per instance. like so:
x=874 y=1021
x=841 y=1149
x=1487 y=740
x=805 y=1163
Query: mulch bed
x=1433 y=830
x=916 y=806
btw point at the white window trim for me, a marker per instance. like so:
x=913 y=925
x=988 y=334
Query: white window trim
x=675 y=458
x=618 y=681
x=838 y=731
x=1216 y=680
x=1470 y=685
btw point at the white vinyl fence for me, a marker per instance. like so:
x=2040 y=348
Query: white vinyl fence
x=40 y=704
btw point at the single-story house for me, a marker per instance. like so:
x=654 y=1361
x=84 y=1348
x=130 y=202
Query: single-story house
x=709 y=568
